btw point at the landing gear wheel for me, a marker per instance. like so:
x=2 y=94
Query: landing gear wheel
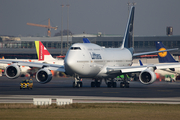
x=98 y=84
x=127 y=85
x=122 y=85
x=109 y=84
x=114 y=85
x=74 y=85
x=79 y=84
x=93 y=84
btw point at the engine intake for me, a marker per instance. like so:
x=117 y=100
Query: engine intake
x=147 y=76
x=12 y=71
x=43 y=76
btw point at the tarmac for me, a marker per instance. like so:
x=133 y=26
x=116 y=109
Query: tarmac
x=158 y=92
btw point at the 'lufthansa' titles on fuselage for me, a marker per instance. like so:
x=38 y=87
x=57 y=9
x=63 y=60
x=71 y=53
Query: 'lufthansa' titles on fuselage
x=95 y=56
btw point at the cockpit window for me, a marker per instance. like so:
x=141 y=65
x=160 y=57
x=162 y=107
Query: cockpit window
x=75 y=48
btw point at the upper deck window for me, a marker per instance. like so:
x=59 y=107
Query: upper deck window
x=75 y=48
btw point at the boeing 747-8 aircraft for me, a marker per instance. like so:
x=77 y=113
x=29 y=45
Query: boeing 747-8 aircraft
x=92 y=61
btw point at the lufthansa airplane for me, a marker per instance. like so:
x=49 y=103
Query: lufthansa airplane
x=166 y=57
x=88 y=60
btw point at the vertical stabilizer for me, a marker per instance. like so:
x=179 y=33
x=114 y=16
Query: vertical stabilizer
x=164 y=57
x=42 y=53
x=127 y=40
x=86 y=40
x=140 y=62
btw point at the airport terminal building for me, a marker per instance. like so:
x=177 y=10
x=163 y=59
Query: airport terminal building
x=24 y=47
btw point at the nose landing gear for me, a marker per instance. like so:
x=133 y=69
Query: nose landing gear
x=77 y=81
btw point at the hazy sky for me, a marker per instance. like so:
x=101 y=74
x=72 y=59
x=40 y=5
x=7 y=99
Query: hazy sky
x=89 y=16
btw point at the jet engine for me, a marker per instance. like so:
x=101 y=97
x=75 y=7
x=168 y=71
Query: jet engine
x=12 y=71
x=147 y=76
x=43 y=76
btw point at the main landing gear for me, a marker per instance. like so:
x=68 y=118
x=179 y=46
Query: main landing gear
x=124 y=83
x=77 y=81
x=110 y=83
x=96 y=83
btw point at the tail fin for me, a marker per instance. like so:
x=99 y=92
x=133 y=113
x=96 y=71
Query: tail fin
x=164 y=57
x=127 y=40
x=85 y=40
x=42 y=53
x=140 y=62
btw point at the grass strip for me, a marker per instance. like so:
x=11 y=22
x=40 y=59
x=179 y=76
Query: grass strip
x=88 y=111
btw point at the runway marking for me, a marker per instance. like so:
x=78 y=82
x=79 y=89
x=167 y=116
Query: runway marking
x=165 y=90
x=110 y=92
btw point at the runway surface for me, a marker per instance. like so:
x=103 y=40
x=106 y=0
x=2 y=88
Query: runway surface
x=158 y=92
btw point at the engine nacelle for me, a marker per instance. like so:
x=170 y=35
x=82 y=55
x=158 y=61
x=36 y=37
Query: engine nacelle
x=12 y=71
x=43 y=76
x=147 y=76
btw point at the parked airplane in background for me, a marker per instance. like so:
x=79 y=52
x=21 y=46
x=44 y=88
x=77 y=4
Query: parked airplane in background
x=85 y=40
x=43 y=57
x=166 y=57
x=25 y=70
x=92 y=61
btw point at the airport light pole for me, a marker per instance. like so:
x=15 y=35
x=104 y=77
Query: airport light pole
x=62 y=30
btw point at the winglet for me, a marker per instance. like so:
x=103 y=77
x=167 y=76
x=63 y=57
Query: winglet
x=127 y=40
x=164 y=57
x=85 y=40
x=42 y=52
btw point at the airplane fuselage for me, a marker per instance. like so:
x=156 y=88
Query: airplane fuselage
x=91 y=60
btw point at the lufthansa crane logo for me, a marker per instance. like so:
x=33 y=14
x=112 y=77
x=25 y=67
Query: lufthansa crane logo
x=162 y=54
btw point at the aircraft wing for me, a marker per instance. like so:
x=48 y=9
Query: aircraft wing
x=146 y=53
x=35 y=64
x=131 y=69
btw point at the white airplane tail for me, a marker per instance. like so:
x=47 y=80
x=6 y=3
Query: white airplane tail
x=42 y=53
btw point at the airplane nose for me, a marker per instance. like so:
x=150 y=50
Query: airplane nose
x=69 y=63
